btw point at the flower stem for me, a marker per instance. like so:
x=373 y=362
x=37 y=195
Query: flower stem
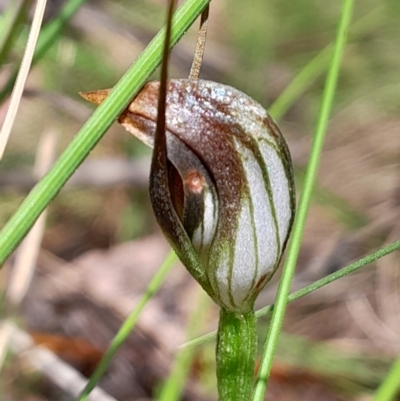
x=235 y=355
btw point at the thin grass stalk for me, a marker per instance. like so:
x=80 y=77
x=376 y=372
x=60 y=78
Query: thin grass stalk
x=303 y=80
x=345 y=271
x=128 y=325
x=93 y=130
x=317 y=65
x=175 y=384
x=294 y=247
x=298 y=228
x=299 y=84
x=14 y=17
x=390 y=387
x=48 y=36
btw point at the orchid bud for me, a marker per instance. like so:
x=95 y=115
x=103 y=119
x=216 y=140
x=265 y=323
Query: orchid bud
x=226 y=199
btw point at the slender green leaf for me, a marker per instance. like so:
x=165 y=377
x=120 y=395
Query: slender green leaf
x=317 y=65
x=128 y=325
x=14 y=18
x=48 y=35
x=174 y=386
x=380 y=253
x=390 y=387
x=294 y=246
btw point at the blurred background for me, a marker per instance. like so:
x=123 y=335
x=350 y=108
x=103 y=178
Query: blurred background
x=101 y=245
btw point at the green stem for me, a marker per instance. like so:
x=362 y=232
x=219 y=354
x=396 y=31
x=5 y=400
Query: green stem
x=390 y=387
x=235 y=355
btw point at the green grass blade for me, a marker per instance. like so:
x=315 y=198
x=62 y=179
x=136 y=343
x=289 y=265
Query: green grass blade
x=48 y=36
x=128 y=325
x=93 y=130
x=52 y=30
x=390 y=387
x=174 y=385
x=13 y=20
x=312 y=168
x=380 y=253
x=341 y=209
x=300 y=83
x=316 y=66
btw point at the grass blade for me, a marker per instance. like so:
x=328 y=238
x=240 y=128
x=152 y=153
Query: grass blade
x=312 y=168
x=390 y=387
x=48 y=35
x=128 y=325
x=174 y=386
x=317 y=65
x=345 y=271
x=13 y=18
